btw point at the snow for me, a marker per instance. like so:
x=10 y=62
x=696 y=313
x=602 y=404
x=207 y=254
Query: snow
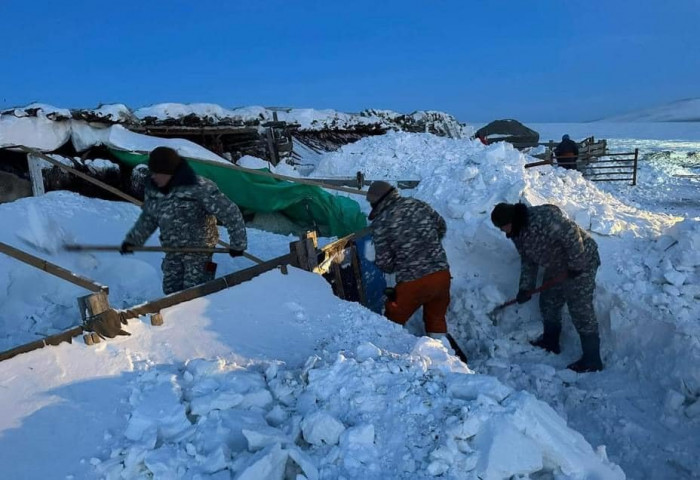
x=47 y=135
x=687 y=110
x=163 y=111
x=277 y=378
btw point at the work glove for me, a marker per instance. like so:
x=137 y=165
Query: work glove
x=235 y=252
x=573 y=273
x=125 y=249
x=523 y=296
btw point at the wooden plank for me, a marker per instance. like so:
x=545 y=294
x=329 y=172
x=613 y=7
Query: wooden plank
x=538 y=164
x=272 y=149
x=357 y=271
x=116 y=248
x=615 y=160
x=352 y=182
x=610 y=167
x=610 y=179
x=93 y=304
x=66 y=336
x=35 y=175
x=630 y=154
x=609 y=173
x=204 y=130
x=341 y=242
x=338 y=280
x=204 y=289
x=51 y=268
x=262 y=173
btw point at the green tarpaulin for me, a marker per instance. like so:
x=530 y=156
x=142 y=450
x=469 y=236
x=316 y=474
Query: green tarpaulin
x=308 y=206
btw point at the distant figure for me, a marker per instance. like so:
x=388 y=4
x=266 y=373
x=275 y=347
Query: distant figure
x=408 y=237
x=567 y=153
x=185 y=208
x=545 y=237
x=482 y=138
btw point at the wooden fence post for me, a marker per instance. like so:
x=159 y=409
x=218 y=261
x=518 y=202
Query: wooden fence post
x=634 y=173
x=304 y=252
x=35 y=174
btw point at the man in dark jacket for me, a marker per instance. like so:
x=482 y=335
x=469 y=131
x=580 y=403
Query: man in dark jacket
x=407 y=237
x=545 y=237
x=185 y=207
x=566 y=153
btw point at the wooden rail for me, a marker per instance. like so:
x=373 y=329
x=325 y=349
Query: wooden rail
x=305 y=258
x=213 y=286
x=52 y=268
x=65 y=336
x=155 y=306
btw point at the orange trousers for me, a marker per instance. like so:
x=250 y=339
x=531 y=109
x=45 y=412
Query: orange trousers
x=432 y=292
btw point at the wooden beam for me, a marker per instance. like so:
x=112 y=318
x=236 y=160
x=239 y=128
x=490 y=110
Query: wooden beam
x=352 y=182
x=66 y=336
x=208 y=288
x=35 y=175
x=53 y=269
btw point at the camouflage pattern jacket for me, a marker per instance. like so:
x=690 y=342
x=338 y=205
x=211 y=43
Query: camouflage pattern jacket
x=186 y=213
x=407 y=234
x=553 y=241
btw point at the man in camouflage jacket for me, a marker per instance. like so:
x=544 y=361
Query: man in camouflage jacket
x=185 y=207
x=545 y=237
x=407 y=236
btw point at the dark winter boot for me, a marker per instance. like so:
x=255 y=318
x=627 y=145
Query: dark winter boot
x=549 y=340
x=590 y=361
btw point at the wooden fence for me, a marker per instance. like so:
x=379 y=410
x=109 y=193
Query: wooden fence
x=595 y=162
x=338 y=262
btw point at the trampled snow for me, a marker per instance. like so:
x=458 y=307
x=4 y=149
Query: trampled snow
x=277 y=378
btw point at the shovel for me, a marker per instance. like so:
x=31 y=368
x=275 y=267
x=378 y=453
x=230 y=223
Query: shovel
x=116 y=248
x=493 y=314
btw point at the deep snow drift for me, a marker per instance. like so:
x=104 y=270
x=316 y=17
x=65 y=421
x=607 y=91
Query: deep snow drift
x=278 y=375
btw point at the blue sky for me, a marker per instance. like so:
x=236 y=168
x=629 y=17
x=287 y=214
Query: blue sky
x=548 y=60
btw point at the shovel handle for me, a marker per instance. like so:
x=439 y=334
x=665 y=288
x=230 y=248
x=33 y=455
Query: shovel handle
x=116 y=248
x=545 y=286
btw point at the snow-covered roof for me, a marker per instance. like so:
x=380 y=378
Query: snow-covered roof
x=206 y=114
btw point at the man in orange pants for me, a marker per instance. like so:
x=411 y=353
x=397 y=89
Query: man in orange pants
x=407 y=237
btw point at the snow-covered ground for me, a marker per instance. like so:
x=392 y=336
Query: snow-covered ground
x=687 y=110
x=277 y=375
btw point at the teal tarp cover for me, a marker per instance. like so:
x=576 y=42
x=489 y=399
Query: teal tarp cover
x=308 y=206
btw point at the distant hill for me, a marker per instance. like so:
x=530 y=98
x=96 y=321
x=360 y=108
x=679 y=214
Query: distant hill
x=687 y=110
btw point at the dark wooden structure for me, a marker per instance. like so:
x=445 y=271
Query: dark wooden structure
x=596 y=163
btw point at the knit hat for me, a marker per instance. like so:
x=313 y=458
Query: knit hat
x=565 y=137
x=503 y=214
x=377 y=191
x=164 y=160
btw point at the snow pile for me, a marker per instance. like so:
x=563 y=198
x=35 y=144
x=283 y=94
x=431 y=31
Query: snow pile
x=341 y=416
x=39 y=110
x=115 y=113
